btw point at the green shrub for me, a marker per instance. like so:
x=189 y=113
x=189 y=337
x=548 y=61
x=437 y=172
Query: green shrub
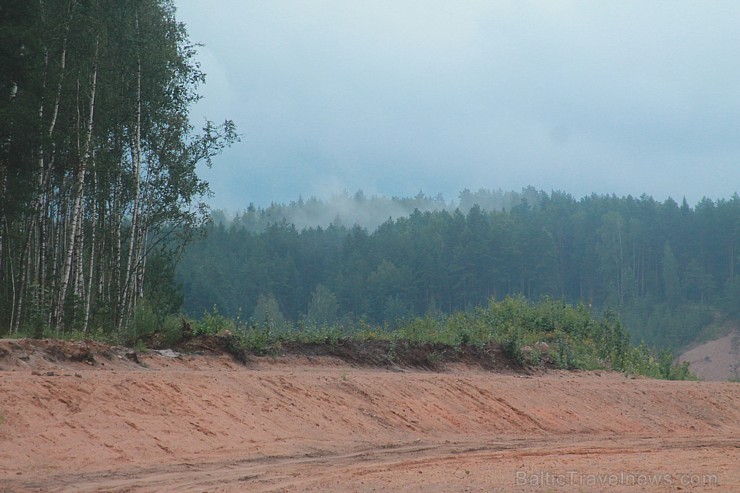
x=213 y=323
x=257 y=340
x=551 y=333
x=145 y=322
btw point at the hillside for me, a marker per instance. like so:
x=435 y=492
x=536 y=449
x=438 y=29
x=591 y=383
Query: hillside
x=667 y=270
x=718 y=359
x=82 y=417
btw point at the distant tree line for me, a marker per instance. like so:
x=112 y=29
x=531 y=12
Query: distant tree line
x=370 y=212
x=666 y=267
x=97 y=159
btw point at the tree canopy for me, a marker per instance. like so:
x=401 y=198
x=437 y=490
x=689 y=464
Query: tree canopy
x=97 y=158
x=664 y=266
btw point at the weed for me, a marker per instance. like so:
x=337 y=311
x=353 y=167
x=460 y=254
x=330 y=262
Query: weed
x=550 y=332
x=257 y=340
x=213 y=323
x=393 y=350
x=435 y=357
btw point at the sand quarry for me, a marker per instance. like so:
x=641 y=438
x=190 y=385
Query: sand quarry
x=83 y=417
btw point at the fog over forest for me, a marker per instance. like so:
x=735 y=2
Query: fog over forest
x=369 y=212
x=669 y=269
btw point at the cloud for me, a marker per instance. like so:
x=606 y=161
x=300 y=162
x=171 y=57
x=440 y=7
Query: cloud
x=397 y=96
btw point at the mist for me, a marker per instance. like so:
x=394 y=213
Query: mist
x=392 y=97
x=350 y=210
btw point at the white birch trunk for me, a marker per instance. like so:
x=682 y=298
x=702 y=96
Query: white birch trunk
x=131 y=263
x=93 y=247
x=79 y=195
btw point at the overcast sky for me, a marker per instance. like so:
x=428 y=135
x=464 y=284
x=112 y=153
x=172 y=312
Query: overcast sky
x=397 y=96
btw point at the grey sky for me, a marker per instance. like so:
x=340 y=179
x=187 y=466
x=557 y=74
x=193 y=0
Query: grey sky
x=393 y=97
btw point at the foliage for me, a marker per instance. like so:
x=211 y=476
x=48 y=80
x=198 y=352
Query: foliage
x=98 y=185
x=667 y=268
x=145 y=322
x=213 y=323
x=323 y=307
x=550 y=333
x=267 y=313
x=256 y=340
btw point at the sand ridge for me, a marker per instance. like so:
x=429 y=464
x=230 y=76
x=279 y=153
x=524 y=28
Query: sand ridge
x=208 y=423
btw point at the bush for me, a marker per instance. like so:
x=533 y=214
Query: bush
x=213 y=323
x=549 y=333
x=145 y=322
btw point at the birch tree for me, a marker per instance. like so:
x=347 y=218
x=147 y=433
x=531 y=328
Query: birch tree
x=97 y=157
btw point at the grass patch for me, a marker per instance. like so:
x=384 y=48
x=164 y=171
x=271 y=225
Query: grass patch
x=547 y=334
x=550 y=334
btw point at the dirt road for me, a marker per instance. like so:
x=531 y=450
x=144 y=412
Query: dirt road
x=207 y=423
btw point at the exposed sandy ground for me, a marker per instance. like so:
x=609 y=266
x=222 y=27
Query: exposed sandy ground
x=207 y=423
x=716 y=360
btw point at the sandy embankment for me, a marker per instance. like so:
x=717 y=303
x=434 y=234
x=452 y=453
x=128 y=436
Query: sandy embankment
x=716 y=360
x=207 y=423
